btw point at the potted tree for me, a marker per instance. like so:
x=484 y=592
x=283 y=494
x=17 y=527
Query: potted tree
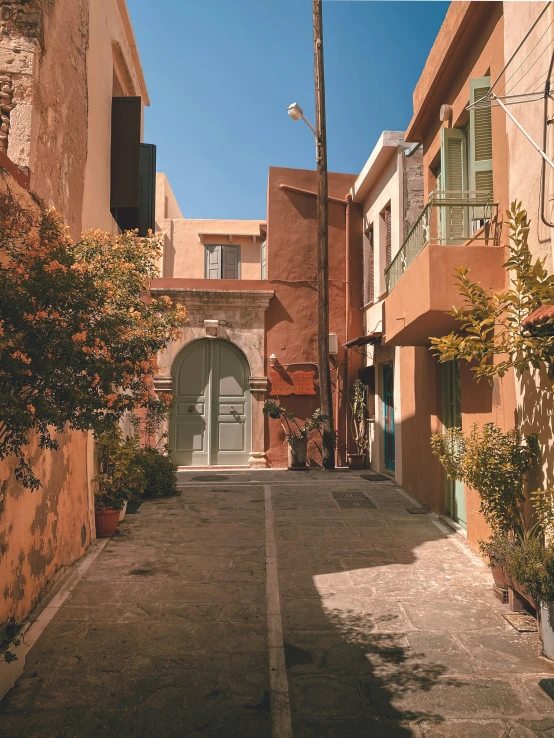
x=297 y=435
x=358 y=426
x=119 y=479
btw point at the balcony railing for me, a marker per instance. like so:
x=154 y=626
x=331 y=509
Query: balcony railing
x=450 y=218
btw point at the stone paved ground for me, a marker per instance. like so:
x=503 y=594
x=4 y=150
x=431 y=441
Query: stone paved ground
x=389 y=626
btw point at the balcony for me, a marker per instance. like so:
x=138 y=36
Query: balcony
x=455 y=229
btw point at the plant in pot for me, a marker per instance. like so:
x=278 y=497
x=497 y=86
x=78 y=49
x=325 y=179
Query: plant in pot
x=358 y=426
x=297 y=435
x=152 y=453
x=494 y=464
x=119 y=479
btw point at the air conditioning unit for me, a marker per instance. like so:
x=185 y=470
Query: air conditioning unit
x=333 y=344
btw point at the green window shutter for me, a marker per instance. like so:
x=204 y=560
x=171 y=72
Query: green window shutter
x=213 y=262
x=480 y=135
x=231 y=262
x=454 y=219
x=125 y=152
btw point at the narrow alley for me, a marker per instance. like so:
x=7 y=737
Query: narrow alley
x=384 y=618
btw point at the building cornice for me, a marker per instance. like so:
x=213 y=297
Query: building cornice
x=194 y=298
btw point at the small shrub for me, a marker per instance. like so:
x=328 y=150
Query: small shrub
x=160 y=478
x=120 y=478
x=531 y=564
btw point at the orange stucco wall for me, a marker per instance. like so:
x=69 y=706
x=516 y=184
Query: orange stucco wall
x=54 y=133
x=291 y=320
x=470 y=44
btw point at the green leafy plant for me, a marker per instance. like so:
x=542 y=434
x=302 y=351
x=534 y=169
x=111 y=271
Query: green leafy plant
x=358 y=420
x=289 y=423
x=531 y=564
x=490 y=335
x=160 y=473
x=120 y=477
x=78 y=341
x=8 y=638
x=495 y=464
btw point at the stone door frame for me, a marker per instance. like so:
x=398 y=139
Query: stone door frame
x=237 y=316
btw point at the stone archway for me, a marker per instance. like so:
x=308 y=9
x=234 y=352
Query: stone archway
x=237 y=316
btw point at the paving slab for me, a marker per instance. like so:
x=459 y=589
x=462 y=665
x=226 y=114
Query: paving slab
x=389 y=625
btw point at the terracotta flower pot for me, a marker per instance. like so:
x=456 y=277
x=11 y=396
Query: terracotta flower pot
x=298 y=453
x=356 y=461
x=106 y=522
x=498 y=577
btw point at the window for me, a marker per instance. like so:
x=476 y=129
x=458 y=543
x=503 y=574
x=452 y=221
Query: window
x=369 y=276
x=386 y=215
x=263 y=260
x=222 y=262
x=480 y=122
x=133 y=169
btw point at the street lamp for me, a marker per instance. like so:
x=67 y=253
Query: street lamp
x=296 y=113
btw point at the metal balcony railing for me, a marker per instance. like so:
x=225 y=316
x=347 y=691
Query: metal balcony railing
x=450 y=218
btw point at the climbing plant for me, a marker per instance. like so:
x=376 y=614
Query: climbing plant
x=78 y=334
x=490 y=333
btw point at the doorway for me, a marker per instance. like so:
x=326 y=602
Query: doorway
x=388 y=415
x=211 y=415
x=455 y=495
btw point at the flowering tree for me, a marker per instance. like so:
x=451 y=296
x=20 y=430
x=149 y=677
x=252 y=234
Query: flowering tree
x=78 y=334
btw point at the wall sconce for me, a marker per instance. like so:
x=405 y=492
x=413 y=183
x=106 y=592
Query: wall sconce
x=273 y=360
x=211 y=326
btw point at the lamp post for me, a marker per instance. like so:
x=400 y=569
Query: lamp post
x=296 y=113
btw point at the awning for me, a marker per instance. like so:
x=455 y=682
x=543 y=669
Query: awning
x=371 y=338
x=541 y=315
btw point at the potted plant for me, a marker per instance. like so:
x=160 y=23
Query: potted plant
x=358 y=426
x=119 y=479
x=494 y=464
x=297 y=435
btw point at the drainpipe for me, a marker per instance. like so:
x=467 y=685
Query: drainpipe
x=347 y=322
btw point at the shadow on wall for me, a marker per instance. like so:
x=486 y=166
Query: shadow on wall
x=536 y=411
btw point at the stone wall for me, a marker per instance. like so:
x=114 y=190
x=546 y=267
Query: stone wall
x=413 y=189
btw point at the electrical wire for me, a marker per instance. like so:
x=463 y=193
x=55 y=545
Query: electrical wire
x=523 y=62
x=532 y=65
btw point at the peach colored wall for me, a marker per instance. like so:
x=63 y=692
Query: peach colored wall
x=184 y=255
x=470 y=43
x=58 y=130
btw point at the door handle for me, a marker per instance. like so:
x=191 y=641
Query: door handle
x=191 y=408
x=231 y=409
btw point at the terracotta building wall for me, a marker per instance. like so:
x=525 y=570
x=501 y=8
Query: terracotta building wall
x=470 y=44
x=291 y=319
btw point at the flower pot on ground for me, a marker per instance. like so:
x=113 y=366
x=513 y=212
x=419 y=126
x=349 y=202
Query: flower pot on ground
x=106 y=522
x=356 y=461
x=296 y=434
x=298 y=453
x=358 y=425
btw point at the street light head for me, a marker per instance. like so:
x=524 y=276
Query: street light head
x=295 y=111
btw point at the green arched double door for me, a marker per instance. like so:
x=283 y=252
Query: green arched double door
x=210 y=420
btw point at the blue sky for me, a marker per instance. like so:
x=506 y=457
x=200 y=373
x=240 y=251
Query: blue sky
x=221 y=73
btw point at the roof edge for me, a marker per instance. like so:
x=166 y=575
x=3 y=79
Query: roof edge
x=131 y=40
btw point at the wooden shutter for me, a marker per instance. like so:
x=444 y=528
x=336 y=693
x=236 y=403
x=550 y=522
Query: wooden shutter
x=213 y=262
x=125 y=152
x=231 y=262
x=388 y=236
x=147 y=198
x=454 y=182
x=480 y=137
x=263 y=260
